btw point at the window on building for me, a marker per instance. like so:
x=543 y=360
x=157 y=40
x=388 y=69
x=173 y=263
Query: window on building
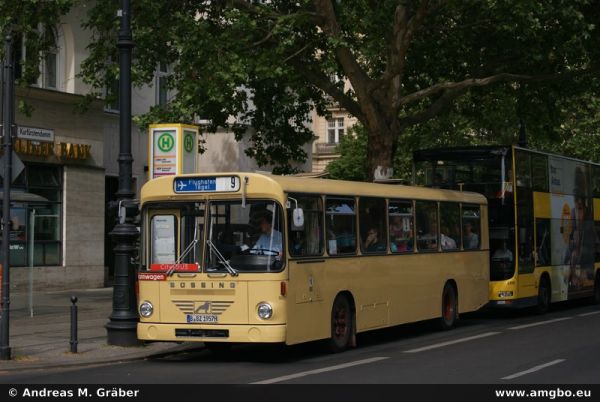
x=373 y=232
x=401 y=221
x=50 y=60
x=162 y=89
x=341 y=226
x=38 y=220
x=427 y=226
x=112 y=95
x=335 y=130
x=306 y=240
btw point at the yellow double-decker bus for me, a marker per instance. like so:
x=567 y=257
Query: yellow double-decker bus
x=246 y=257
x=544 y=219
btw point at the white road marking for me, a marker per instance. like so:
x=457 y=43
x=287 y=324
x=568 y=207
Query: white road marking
x=590 y=313
x=533 y=369
x=535 y=324
x=440 y=345
x=321 y=370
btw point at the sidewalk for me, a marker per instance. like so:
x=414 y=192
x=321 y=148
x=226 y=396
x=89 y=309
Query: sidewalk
x=42 y=341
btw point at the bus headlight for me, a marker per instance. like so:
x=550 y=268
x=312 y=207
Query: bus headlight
x=264 y=310
x=146 y=309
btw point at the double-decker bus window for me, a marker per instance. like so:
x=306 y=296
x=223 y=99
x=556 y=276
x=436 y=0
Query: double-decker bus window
x=401 y=221
x=596 y=180
x=539 y=172
x=427 y=226
x=306 y=240
x=450 y=226
x=471 y=222
x=597 y=244
x=163 y=232
x=373 y=233
x=543 y=242
x=340 y=226
x=523 y=167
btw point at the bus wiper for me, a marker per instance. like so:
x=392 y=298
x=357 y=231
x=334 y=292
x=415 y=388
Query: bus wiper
x=232 y=271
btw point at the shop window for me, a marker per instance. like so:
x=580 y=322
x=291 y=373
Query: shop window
x=427 y=226
x=340 y=226
x=373 y=233
x=306 y=240
x=37 y=222
x=401 y=221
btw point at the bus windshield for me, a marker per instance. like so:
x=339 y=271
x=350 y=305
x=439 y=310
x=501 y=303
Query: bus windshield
x=244 y=238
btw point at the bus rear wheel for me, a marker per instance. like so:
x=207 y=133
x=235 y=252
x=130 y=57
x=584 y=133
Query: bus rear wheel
x=544 y=296
x=449 y=308
x=342 y=325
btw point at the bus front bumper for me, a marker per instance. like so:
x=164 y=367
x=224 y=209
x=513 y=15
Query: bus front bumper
x=211 y=333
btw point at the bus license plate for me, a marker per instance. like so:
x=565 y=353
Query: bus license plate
x=201 y=318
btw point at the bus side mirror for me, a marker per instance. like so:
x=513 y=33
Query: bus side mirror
x=298 y=216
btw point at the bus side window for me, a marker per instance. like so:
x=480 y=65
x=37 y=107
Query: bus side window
x=401 y=221
x=340 y=226
x=450 y=226
x=471 y=221
x=427 y=226
x=373 y=233
x=306 y=240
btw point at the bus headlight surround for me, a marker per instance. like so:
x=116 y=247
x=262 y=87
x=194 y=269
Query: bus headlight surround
x=264 y=310
x=146 y=309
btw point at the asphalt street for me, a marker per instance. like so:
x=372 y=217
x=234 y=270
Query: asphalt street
x=561 y=347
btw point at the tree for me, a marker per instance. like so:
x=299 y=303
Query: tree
x=26 y=20
x=408 y=61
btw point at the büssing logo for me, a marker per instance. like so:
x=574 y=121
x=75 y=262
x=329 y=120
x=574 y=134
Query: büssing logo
x=202 y=307
x=202 y=285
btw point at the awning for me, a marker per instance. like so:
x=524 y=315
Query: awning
x=20 y=196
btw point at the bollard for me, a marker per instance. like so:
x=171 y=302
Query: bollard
x=73 y=324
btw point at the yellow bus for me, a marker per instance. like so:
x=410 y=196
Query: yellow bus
x=544 y=219
x=246 y=257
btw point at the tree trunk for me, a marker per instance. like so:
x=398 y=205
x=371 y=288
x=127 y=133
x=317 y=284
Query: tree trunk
x=380 y=152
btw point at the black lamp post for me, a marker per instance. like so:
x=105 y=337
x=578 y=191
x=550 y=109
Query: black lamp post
x=122 y=325
x=8 y=103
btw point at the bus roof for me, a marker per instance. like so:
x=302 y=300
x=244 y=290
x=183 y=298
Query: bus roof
x=259 y=183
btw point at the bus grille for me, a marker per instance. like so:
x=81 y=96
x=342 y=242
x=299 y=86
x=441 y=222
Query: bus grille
x=202 y=333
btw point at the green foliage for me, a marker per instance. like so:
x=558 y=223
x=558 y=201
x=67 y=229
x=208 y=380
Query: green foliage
x=264 y=65
x=352 y=163
x=27 y=21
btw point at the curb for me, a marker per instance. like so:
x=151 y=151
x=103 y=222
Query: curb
x=51 y=365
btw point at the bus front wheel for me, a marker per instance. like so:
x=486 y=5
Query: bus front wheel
x=449 y=307
x=342 y=325
x=544 y=296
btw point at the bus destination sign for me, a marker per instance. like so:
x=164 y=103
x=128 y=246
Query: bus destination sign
x=206 y=184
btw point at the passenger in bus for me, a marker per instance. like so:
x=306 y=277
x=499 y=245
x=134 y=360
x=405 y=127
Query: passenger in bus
x=400 y=240
x=447 y=242
x=372 y=243
x=270 y=239
x=471 y=239
x=431 y=237
x=503 y=253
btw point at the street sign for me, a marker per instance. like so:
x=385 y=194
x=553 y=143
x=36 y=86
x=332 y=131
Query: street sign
x=17 y=166
x=35 y=134
x=173 y=149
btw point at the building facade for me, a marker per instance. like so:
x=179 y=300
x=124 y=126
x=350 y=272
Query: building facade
x=67 y=170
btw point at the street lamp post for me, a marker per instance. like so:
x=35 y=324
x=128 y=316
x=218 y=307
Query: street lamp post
x=7 y=125
x=122 y=325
